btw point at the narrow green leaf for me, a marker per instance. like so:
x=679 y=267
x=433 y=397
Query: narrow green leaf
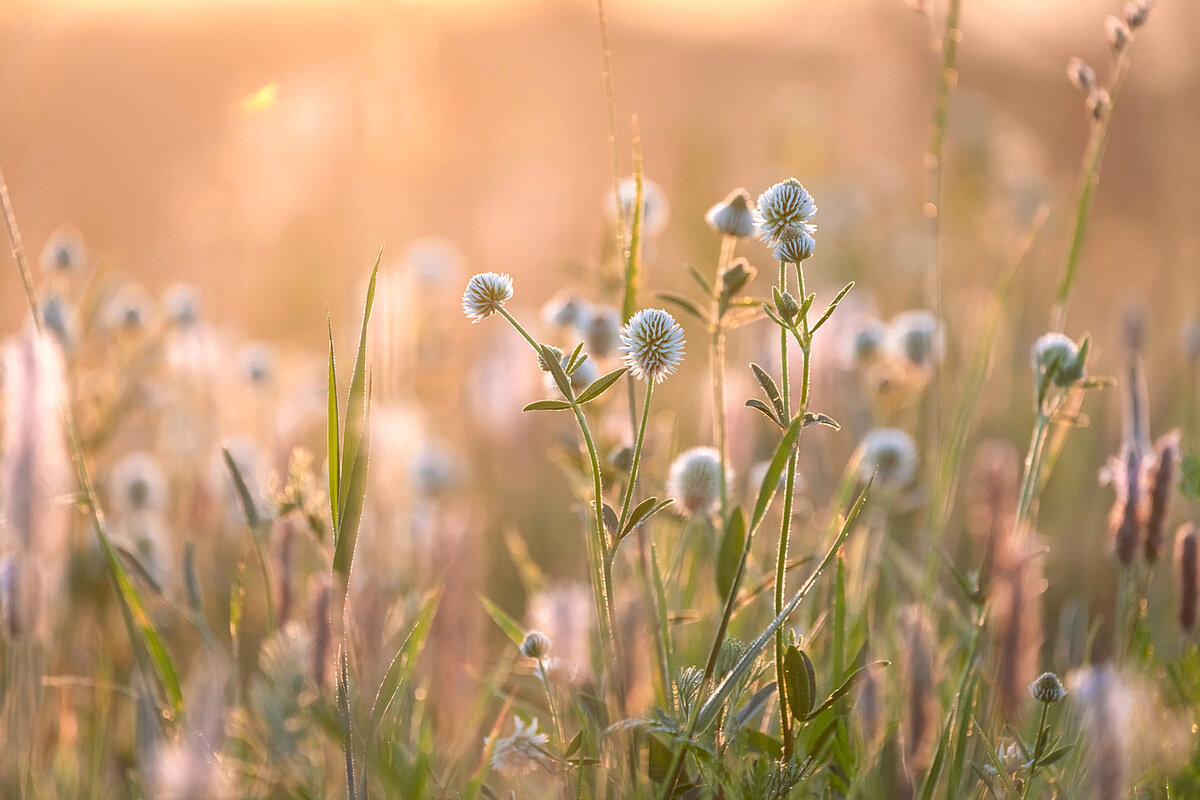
x=994 y=758
x=355 y=490
x=821 y=419
x=770 y=389
x=600 y=385
x=561 y=379
x=685 y=304
x=767 y=412
x=403 y=664
x=729 y=558
x=770 y=481
x=700 y=279
x=644 y=511
x=571 y=365
x=833 y=304
x=356 y=400
x=574 y=745
x=507 y=624
x=547 y=405
x=1055 y=756
x=846 y=686
x=334 y=434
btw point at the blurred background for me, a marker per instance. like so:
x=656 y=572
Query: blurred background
x=266 y=151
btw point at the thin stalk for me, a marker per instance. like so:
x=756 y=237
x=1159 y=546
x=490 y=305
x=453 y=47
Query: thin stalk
x=637 y=458
x=1037 y=751
x=784 y=533
x=558 y=729
x=610 y=104
x=1089 y=179
x=717 y=367
x=1033 y=467
x=598 y=549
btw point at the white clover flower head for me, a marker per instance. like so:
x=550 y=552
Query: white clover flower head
x=652 y=342
x=486 y=294
x=600 y=327
x=64 y=252
x=1047 y=688
x=137 y=483
x=786 y=206
x=554 y=352
x=868 y=340
x=1098 y=103
x=733 y=216
x=522 y=751
x=1060 y=351
x=695 y=480
x=794 y=245
x=536 y=645
x=1137 y=11
x=888 y=454
x=1081 y=75
x=182 y=305
x=564 y=310
x=917 y=336
x=656 y=211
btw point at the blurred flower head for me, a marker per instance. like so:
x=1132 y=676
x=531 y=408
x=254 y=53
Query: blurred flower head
x=64 y=252
x=137 y=483
x=918 y=337
x=522 y=751
x=600 y=327
x=733 y=216
x=1058 y=351
x=695 y=480
x=888 y=454
x=655 y=208
x=181 y=304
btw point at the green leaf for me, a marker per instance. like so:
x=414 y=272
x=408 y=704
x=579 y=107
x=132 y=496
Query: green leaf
x=571 y=365
x=770 y=389
x=355 y=491
x=600 y=385
x=644 y=511
x=574 y=745
x=801 y=681
x=770 y=481
x=1054 y=756
x=821 y=419
x=700 y=279
x=685 y=304
x=846 y=686
x=759 y=405
x=334 y=433
x=764 y=743
x=1189 y=478
x=557 y=372
x=833 y=304
x=356 y=400
x=403 y=665
x=547 y=405
x=733 y=542
x=507 y=624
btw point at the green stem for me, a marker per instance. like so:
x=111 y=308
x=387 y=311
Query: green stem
x=558 y=729
x=637 y=458
x=597 y=549
x=1033 y=468
x=1089 y=179
x=1037 y=751
x=717 y=366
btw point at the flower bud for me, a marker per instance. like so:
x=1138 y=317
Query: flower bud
x=536 y=645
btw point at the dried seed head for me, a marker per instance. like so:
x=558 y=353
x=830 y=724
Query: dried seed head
x=1128 y=516
x=1137 y=11
x=888 y=454
x=536 y=645
x=733 y=216
x=1081 y=75
x=787 y=306
x=1187 y=558
x=1060 y=352
x=652 y=342
x=695 y=480
x=1117 y=32
x=486 y=294
x=600 y=327
x=522 y=751
x=1047 y=688
x=1162 y=480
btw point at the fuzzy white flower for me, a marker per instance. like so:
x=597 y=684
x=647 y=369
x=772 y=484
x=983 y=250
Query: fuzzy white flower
x=564 y=310
x=137 y=483
x=917 y=336
x=536 y=645
x=888 y=454
x=695 y=480
x=652 y=342
x=786 y=206
x=181 y=302
x=64 y=251
x=521 y=752
x=733 y=216
x=869 y=336
x=1047 y=688
x=130 y=309
x=655 y=208
x=486 y=294
x=793 y=246
x=600 y=327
